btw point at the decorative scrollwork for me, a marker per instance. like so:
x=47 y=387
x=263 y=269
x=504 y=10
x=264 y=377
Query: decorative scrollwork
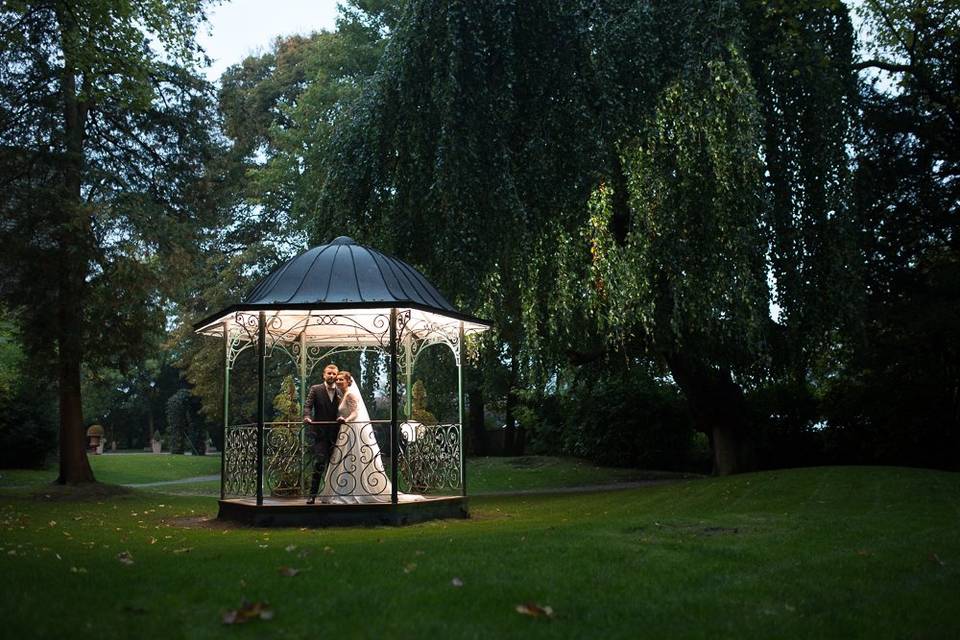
x=424 y=333
x=282 y=453
x=354 y=468
x=236 y=346
x=240 y=461
x=429 y=457
x=319 y=353
x=290 y=353
x=378 y=329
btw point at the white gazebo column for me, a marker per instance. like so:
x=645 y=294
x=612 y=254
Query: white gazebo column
x=394 y=440
x=261 y=390
x=463 y=460
x=303 y=368
x=303 y=404
x=408 y=370
x=226 y=407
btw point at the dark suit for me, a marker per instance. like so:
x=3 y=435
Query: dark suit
x=321 y=408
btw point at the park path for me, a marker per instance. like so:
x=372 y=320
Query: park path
x=163 y=483
x=613 y=486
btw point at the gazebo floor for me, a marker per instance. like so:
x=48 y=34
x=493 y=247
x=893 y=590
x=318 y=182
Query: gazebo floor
x=294 y=512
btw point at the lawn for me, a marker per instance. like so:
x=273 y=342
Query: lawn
x=124 y=468
x=835 y=552
x=485 y=475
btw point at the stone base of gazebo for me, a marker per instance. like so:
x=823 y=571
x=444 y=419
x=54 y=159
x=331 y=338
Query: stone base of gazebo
x=294 y=512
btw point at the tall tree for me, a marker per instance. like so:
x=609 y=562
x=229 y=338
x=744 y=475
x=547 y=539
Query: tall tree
x=277 y=111
x=490 y=124
x=473 y=139
x=103 y=126
x=899 y=398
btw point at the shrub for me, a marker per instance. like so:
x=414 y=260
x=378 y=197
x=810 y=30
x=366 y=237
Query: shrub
x=621 y=418
x=419 y=411
x=27 y=434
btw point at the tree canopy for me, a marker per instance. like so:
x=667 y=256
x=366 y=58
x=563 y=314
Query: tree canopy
x=104 y=127
x=743 y=204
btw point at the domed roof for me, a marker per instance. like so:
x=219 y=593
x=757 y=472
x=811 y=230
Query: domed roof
x=347 y=277
x=344 y=272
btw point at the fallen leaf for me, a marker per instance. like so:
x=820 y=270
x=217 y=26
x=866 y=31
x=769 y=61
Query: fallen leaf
x=863 y=552
x=184 y=550
x=290 y=547
x=248 y=611
x=153 y=540
x=303 y=553
x=125 y=558
x=411 y=566
x=53 y=523
x=937 y=559
x=457 y=582
x=288 y=571
x=535 y=610
x=328 y=549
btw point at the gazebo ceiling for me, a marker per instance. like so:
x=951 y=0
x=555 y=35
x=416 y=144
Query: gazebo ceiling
x=341 y=293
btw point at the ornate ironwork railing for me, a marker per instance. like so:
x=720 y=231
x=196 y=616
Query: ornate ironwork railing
x=342 y=463
x=429 y=457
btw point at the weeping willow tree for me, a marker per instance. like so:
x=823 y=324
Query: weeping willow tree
x=476 y=135
x=800 y=55
x=737 y=181
x=592 y=175
x=691 y=275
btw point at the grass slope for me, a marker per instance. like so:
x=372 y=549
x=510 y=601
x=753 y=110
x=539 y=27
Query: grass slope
x=835 y=552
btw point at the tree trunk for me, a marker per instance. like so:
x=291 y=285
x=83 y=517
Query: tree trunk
x=510 y=435
x=74 y=466
x=476 y=419
x=719 y=409
x=149 y=426
x=72 y=235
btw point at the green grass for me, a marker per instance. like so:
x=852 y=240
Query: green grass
x=483 y=474
x=544 y=472
x=828 y=552
x=124 y=468
x=489 y=475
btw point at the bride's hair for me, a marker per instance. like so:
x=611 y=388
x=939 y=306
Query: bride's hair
x=346 y=376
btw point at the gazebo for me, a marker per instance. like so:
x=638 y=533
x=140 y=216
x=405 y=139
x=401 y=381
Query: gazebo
x=332 y=299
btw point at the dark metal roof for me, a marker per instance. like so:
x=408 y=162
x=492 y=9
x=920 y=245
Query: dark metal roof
x=344 y=274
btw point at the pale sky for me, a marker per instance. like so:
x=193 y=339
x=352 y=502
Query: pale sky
x=243 y=27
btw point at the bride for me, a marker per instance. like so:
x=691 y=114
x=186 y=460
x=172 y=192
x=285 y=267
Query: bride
x=355 y=472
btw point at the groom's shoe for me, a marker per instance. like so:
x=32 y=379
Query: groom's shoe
x=311 y=499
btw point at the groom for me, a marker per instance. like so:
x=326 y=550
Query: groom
x=322 y=404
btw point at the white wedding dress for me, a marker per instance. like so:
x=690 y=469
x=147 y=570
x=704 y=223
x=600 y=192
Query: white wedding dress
x=355 y=473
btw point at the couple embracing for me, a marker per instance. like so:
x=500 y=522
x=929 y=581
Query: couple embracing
x=346 y=453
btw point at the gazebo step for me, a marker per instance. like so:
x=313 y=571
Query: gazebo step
x=278 y=512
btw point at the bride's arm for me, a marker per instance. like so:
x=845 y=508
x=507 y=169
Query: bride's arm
x=352 y=408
